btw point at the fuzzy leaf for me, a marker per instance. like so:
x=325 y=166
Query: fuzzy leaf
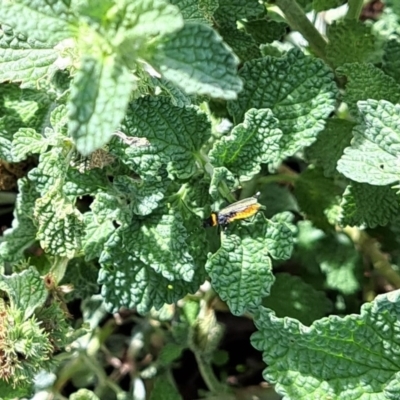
x=200 y=11
x=241 y=270
x=391 y=59
x=292 y=297
x=176 y=135
x=39 y=19
x=299 y=90
x=22 y=233
x=233 y=10
x=243 y=44
x=25 y=65
x=99 y=96
x=129 y=282
x=350 y=41
x=27 y=141
x=25 y=290
x=59 y=224
x=373 y=155
x=196 y=60
x=354 y=357
x=365 y=81
x=330 y=144
x=251 y=143
x=363 y=204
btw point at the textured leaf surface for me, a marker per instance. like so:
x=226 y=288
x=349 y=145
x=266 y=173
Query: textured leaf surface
x=128 y=282
x=25 y=65
x=233 y=10
x=27 y=141
x=242 y=44
x=99 y=97
x=200 y=11
x=315 y=194
x=391 y=59
x=196 y=59
x=44 y=21
x=265 y=31
x=176 y=135
x=240 y=270
x=342 y=358
x=292 y=297
x=59 y=224
x=299 y=90
x=363 y=204
x=350 y=41
x=147 y=18
x=364 y=81
x=330 y=144
x=25 y=290
x=22 y=233
x=250 y=143
x=373 y=155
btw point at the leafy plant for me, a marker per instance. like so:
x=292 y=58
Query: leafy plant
x=124 y=124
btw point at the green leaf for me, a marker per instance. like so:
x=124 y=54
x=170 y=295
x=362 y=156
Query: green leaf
x=200 y=11
x=83 y=277
x=176 y=135
x=221 y=175
x=22 y=233
x=83 y=394
x=251 y=143
x=241 y=270
x=88 y=182
x=148 y=18
x=51 y=169
x=373 y=155
x=27 y=141
x=350 y=41
x=316 y=194
x=391 y=59
x=20 y=108
x=242 y=44
x=106 y=208
x=330 y=144
x=196 y=60
x=364 y=81
x=99 y=96
x=59 y=224
x=129 y=282
x=25 y=290
x=38 y=20
x=299 y=90
x=164 y=389
x=144 y=196
x=233 y=10
x=363 y=204
x=25 y=65
x=357 y=352
x=340 y=262
x=265 y=31
x=292 y=297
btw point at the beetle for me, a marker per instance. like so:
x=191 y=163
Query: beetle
x=239 y=210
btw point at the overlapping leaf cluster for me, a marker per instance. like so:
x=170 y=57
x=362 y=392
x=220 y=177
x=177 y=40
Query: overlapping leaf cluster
x=143 y=89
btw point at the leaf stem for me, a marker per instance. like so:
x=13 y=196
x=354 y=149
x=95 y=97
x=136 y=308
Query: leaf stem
x=354 y=11
x=207 y=373
x=298 y=21
x=370 y=248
